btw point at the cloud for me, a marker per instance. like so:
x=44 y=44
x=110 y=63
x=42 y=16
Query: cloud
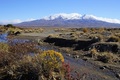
x=30 y=19
x=108 y=20
x=10 y=21
x=15 y=21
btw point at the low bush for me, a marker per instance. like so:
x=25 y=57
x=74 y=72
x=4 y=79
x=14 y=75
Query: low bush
x=45 y=65
x=4 y=47
x=51 y=59
x=23 y=48
x=96 y=37
x=107 y=57
x=94 y=53
x=37 y=67
x=85 y=30
x=113 y=39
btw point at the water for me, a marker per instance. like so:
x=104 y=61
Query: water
x=20 y=41
x=3 y=37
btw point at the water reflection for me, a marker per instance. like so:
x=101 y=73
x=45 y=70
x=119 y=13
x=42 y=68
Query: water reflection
x=3 y=37
x=20 y=41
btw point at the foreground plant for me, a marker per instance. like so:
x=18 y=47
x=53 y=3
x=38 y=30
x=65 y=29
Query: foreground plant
x=51 y=62
x=4 y=47
x=45 y=65
x=52 y=58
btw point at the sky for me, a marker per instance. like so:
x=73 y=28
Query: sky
x=25 y=10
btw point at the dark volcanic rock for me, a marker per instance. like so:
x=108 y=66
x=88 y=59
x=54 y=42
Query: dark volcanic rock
x=107 y=46
x=76 y=44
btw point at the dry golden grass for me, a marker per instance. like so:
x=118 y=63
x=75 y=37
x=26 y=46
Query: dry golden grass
x=113 y=38
x=4 y=47
x=13 y=66
x=85 y=30
x=108 y=57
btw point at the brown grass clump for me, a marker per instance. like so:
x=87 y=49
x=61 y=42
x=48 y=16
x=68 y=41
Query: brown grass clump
x=52 y=58
x=108 y=57
x=9 y=53
x=41 y=66
x=113 y=39
x=94 y=52
x=93 y=29
x=24 y=69
x=4 y=47
x=14 y=30
x=117 y=34
x=96 y=37
x=101 y=30
x=23 y=48
x=85 y=30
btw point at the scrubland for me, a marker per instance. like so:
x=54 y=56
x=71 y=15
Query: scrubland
x=50 y=53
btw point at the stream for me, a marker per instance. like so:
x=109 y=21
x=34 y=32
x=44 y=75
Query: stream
x=3 y=37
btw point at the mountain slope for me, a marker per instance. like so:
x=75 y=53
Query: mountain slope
x=72 y=20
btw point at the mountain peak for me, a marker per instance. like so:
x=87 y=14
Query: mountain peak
x=77 y=16
x=91 y=17
x=64 y=16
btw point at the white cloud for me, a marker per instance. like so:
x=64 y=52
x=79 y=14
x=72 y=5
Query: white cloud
x=107 y=19
x=15 y=21
x=31 y=19
x=10 y=21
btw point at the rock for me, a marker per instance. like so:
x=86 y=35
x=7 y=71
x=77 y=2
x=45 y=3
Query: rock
x=85 y=59
x=68 y=54
x=118 y=75
x=106 y=46
x=103 y=67
x=75 y=56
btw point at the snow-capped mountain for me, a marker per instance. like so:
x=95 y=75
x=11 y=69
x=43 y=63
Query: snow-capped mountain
x=73 y=16
x=64 y=16
x=72 y=20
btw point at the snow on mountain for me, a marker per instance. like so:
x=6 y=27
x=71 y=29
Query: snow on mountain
x=77 y=16
x=64 y=16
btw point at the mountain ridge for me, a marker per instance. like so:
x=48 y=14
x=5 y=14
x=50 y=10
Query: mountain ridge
x=79 y=16
x=72 y=20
